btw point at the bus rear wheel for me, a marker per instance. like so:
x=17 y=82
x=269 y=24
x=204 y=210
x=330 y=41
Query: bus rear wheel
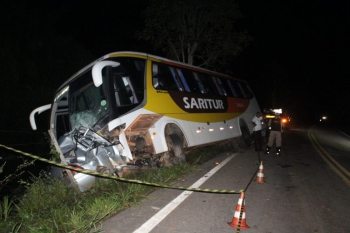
x=245 y=140
x=175 y=146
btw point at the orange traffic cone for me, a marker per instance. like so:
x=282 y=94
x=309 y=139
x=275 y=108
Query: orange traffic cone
x=238 y=220
x=260 y=176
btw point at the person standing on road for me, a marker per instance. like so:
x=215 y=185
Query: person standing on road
x=275 y=127
x=256 y=122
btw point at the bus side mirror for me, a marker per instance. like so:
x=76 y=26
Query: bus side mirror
x=97 y=71
x=37 y=110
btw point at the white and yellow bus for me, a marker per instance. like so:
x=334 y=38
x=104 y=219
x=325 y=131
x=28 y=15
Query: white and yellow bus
x=155 y=107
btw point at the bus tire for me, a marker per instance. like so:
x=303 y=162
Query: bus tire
x=175 y=147
x=245 y=140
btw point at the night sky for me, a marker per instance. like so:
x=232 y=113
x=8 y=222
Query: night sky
x=300 y=48
x=308 y=44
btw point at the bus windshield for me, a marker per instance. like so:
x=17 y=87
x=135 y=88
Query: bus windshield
x=88 y=104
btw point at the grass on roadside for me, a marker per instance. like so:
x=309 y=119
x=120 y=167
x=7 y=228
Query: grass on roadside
x=49 y=205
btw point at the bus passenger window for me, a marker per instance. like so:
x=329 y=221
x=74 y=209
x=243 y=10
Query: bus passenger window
x=245 y=90
x=163 y=78
x=155 y=77
x=123 y=91
x=199 y=83
x=237 y=89
x=248 y=90
x=219 y=86
x=232 y=88
x=208 y=84
x=183 y=80
x=225 y=87
x=176 y=79
x=191 y=81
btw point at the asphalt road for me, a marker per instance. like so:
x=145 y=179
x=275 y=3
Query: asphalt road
x=306 y=189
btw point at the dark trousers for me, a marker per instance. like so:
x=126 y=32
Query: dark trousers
x=258 y=140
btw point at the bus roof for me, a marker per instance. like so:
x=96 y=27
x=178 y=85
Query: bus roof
x=144 y=56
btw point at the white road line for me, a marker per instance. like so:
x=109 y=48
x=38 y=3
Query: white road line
x=157 y=218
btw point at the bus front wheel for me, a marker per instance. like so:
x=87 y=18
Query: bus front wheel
x=176 y=149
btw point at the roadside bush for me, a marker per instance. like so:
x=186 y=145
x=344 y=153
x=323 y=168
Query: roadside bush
x=46 y=194
x=49 y=205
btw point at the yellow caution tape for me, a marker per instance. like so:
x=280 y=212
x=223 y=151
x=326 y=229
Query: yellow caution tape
x=89 y=172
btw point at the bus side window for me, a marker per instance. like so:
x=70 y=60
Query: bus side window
x=225 y=87
x=232 y=88
x=176 y=79
x=237 y=89
x=136 y=86
x=193 y=84
x=62 y=124
x=199 y=82
x=162 y=78
x=208 y=84
x=122 y=91
x=155 y=77
x=245 y=90
x=183 y=80
x=220 y=86
x=250 y=91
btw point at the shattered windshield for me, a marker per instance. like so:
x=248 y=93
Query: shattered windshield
x=122 y=89
x=87 y=103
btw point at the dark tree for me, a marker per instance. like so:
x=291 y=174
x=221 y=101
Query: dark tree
x=199 y=32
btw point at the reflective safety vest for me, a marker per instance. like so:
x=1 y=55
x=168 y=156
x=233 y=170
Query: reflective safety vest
x=275 y=124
